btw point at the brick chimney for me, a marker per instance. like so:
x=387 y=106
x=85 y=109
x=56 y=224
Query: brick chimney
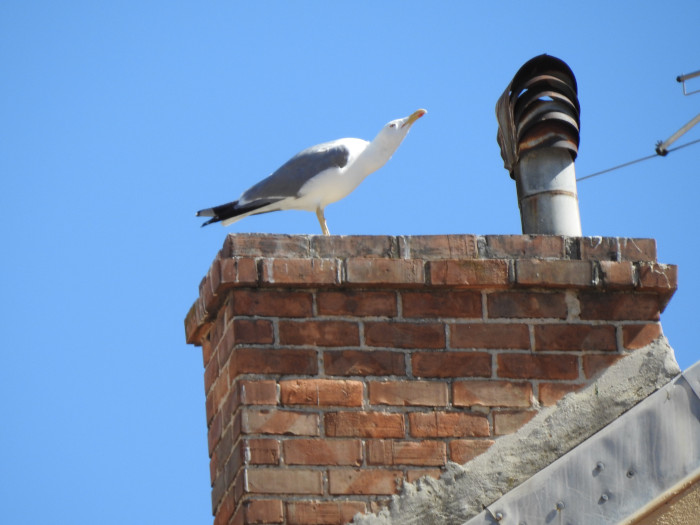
x=338 y=368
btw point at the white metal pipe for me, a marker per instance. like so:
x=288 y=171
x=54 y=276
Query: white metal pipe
x=547 y=196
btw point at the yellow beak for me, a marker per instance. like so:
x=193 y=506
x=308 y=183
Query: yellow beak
x=413 y=117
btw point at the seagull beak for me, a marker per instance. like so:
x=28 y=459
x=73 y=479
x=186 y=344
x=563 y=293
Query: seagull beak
x=413 y=117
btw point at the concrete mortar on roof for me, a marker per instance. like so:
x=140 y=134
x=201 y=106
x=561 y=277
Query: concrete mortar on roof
x=463 y=491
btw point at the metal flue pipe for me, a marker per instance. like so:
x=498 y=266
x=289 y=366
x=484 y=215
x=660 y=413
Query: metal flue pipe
x=538 y=132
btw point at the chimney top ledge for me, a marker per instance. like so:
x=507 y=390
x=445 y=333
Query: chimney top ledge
x=434 y=247
x=433 y=262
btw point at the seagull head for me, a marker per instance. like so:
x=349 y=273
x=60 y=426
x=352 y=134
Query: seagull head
x=393 y=133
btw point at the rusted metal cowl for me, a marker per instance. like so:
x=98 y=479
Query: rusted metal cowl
x=538 y=132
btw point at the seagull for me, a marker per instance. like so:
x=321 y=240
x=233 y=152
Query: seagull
x=316 y=176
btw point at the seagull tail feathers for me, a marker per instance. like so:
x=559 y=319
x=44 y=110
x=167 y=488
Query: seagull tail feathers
x=219 y=213
x=232 y=211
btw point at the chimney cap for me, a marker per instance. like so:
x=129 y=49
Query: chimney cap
x=538 y=109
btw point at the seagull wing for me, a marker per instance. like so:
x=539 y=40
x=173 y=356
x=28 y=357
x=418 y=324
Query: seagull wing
x=282 y=184
x=297 y=171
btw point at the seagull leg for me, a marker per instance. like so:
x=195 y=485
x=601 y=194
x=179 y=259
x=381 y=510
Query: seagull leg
x=322 y=221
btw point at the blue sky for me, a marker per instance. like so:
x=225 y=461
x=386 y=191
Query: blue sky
x=118 y=120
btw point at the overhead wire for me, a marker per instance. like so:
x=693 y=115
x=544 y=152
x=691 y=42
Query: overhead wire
x=670 y=150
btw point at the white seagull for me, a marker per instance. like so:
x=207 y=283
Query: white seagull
x=317 y=176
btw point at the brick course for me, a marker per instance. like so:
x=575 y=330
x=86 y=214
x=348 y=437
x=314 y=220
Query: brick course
x=338 y=368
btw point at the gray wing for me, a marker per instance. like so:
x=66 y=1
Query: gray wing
x=293 y=174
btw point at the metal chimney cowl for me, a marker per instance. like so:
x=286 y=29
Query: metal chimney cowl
x=538 y=133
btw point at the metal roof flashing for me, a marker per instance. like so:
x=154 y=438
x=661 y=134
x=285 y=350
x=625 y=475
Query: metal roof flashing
x=615 y=475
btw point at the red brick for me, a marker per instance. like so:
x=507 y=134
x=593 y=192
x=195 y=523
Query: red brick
x=599 y=248
x=238 y=516
x=207 y=352
x=364 y=481
x=616 y=274
x=258 y=392
x=441 y=304
x=332 y=452
x=319 y=333
x=463 y=450
x=265 y=245
x=575 y=337
x=226 y=346
x=270 y=303
x=220 y=390
x=408 y=393
x=300 y=271
x=509 y=421
x=619 y=306
x=213 y=401
x=238 y=271
x=218 y=489
x=429 y=247
x=195 y=327
x=451 y=364
x=594 y=364
x=522 y=305
x=390 y=452
x=470 y=273
x=551 y=393
x=262 y=451
x=207 y=293
x=658 y=277
x=279 y=422
x=337 y=246
x=405 y=335
x=230 y=406
x=535 y=272
x=357 y=303
x=252 y=331
x=491 y=394
x=197 y=316
x=284 y=481
x=361 y=270
x=209 y=407
x=239 y=486
x=489 y=335
x=528 y=366
x=215 y=468
x=218 y=327
x=234 y=429
x=264 y=511
x=323 y=512
x=364 y=424
x=364 y=363
x=448 y=424
x=220 y=453
x=224 y=511
x=638 y=249
x=230 y=496
x=636 y=336
x=211 y=373
x=520 y=246
x=322 y=392
x=234 y=463
x=214 y=431
x=267 y=361
x=413 y=475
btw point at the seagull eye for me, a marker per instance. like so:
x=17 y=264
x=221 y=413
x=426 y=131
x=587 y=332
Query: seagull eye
x=392 y=125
